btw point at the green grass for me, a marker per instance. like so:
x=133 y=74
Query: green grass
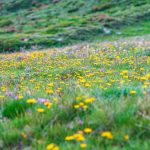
x=50 y=24
x=49 y=96
x=14 y=108
x=69 y=79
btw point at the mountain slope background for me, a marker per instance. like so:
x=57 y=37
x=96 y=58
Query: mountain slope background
x=47 y=23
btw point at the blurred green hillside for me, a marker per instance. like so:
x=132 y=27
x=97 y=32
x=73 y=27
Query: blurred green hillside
x=46 y=23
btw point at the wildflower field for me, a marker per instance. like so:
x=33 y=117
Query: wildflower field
x=90 y=96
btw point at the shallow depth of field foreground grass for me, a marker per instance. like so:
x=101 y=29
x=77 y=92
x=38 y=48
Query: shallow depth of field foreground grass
x=81 y=97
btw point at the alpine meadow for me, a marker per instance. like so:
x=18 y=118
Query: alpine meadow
x=74 y=74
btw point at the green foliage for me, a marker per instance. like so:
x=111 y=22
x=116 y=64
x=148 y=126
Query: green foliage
x=10 y=44
x=58 y=23
x=4 y=23
x=21 y=4
x=15 y=108
x=74 y=74
x=90 y=87
x=10 y=136
x=102 y=7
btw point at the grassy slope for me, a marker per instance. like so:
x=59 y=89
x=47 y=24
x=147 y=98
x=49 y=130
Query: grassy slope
x=45 y=23
x=67 y=78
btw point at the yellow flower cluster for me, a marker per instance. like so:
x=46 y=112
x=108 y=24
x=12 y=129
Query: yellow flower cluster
x=79 y=136
x=52 y=147
x=75 y=83
x=83 y=102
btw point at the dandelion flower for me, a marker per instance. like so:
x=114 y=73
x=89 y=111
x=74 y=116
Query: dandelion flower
x=52 y=147
x=48 y=91
x=56 y=148
x=76 y=106
x=81 y=104
x=89 y=100
x=107 y=134
x=125 y=72
x=40 y=110
x=78 y=98
x=31 y=101
x=87 y=130
x=132 y=92
x=83 y=145
x=148 y=76
x=69 y=138
x=143 y=78
x=80 y=138
x=87 y=85
x=51 y=84
x=20 y=96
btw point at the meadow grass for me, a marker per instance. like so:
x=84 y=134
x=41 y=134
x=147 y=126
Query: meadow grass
x=45 y=23
x=81 y=97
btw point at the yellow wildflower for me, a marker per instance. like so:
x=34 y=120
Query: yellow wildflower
x=132 y=92
x=81 y=104
x=56 y=148
x=51 y=84
x=89 y=100
x=148 y=76
x=20 y=96
x=125 y=72
x=55 y=99
x=87 y=85
x=83 y=145
x=40 y=110
x=69 y=138
x=87 y=130
x=126 y=77
x=141 y=69
x=31 y=101
x=80 y=138
x=2 y=97
x=143 y=78
x=52 y=147
x=48 y=104
x=49 y=91
x=78 y=98
x=126 y=137
x=76 y=106
x=107 y=134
